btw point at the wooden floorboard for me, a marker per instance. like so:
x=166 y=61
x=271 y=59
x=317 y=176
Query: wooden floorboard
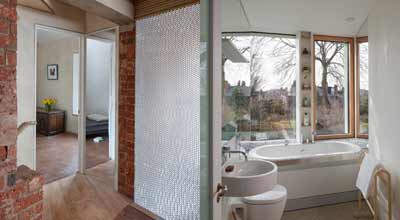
x=84 y=197
x=131 y=213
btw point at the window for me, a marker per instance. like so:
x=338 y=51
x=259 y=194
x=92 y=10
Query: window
x=362 y=88
x=75 y=83
x=259 y=96
x=333 y=87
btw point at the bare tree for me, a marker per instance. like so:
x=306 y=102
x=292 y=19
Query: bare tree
x=330 y=55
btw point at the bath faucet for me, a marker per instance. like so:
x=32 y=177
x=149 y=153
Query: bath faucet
x=286 y=142
x=313 y=134
x=227 y=150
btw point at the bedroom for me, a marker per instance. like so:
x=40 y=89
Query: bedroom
x=59 y=132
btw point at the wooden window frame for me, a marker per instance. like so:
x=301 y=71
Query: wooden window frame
x=351 y=122
x=359 y=40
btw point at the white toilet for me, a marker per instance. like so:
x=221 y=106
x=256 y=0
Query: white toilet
x=266 y=206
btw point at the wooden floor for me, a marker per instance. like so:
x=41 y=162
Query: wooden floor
x=84 y=197
x=58 y=155
x=342 y=211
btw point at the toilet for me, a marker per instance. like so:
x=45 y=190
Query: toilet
x=266 y=206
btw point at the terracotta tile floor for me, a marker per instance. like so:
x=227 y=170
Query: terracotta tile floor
x=57 y=156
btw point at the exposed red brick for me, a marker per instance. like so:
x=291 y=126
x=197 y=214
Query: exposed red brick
x=11 y=58
x=24 y=203
x=3 y=153
x=126 y=113
x=4 y=26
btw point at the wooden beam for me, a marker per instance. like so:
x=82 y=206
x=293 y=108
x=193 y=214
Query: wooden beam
x=40 y=5
x=48 y=6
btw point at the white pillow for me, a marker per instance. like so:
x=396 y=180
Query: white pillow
x=97 y=117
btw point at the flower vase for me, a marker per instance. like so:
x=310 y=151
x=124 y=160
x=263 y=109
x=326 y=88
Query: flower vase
x=48 y=107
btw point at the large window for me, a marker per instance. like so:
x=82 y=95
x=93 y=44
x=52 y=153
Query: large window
x=259 y=96
x=362 y=88
x=333 y=107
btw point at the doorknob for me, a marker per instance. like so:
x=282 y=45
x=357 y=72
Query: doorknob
x=221 y=190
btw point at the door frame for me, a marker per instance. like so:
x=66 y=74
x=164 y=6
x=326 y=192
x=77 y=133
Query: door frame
x=115 y=88
x=215 y=77
x=81 y=36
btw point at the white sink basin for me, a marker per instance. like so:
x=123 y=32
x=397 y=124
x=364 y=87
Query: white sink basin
x=247 y=178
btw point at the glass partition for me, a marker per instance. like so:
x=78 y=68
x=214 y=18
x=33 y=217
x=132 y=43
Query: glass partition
x=167 y=114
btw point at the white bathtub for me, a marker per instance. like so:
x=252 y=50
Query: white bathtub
x=314 y=174
x=316 y=151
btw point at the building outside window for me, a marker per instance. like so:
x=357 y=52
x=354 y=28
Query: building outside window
x=334 y=89
x=259 y=91
x=362 y=87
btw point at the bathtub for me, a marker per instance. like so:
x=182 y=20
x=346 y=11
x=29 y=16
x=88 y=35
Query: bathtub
x=314 y=174
x=303 y=153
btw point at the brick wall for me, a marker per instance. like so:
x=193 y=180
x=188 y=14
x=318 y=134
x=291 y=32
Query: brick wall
x=126 y=113
x=21 y=192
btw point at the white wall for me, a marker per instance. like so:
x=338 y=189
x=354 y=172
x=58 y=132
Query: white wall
x=384 y=79
x=68 y=18
x=58 y=52
x=99 y=67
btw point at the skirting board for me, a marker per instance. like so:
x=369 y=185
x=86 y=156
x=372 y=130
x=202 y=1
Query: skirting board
x=320 y=200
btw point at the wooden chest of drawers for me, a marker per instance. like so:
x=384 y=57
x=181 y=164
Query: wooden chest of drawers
x=50 y=122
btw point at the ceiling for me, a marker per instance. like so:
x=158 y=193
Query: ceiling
x=329 y=17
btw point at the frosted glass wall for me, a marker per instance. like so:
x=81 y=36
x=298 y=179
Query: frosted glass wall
x=167 y=145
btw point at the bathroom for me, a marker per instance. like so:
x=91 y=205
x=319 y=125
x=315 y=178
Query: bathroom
x=296 y=106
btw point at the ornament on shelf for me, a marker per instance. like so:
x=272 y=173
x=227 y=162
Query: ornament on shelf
x=306 y=119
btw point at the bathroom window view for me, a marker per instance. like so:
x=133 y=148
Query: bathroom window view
x=363 y=88
x=332 y=87
x=259 y=91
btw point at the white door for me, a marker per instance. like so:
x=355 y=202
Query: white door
x=110 y=37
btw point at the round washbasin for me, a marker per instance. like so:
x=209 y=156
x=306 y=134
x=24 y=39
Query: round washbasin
x=247 y=178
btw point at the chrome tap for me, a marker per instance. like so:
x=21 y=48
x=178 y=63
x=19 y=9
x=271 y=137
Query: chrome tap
x=313 y=134
x=286 y=142
x=227 y=150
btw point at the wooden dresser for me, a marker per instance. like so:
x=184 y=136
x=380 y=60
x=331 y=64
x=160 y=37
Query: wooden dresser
x=50 y=123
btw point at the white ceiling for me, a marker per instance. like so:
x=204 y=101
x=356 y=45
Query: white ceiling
x=290 y=16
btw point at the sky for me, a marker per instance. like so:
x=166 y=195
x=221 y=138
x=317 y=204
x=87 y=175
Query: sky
x=241 y=71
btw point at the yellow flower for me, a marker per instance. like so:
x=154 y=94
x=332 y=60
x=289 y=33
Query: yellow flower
x=49 y=101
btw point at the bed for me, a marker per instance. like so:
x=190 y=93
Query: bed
x=96 y=125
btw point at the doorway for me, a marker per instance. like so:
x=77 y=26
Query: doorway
x=57 y=66
x=76 y=105
x=101 y=102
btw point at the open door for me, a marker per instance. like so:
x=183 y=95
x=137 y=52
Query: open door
x=100 y=112
x=218 y=190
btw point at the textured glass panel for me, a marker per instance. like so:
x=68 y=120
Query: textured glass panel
x=167 y=145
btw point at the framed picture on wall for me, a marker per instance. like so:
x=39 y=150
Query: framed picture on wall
x=52 y=72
